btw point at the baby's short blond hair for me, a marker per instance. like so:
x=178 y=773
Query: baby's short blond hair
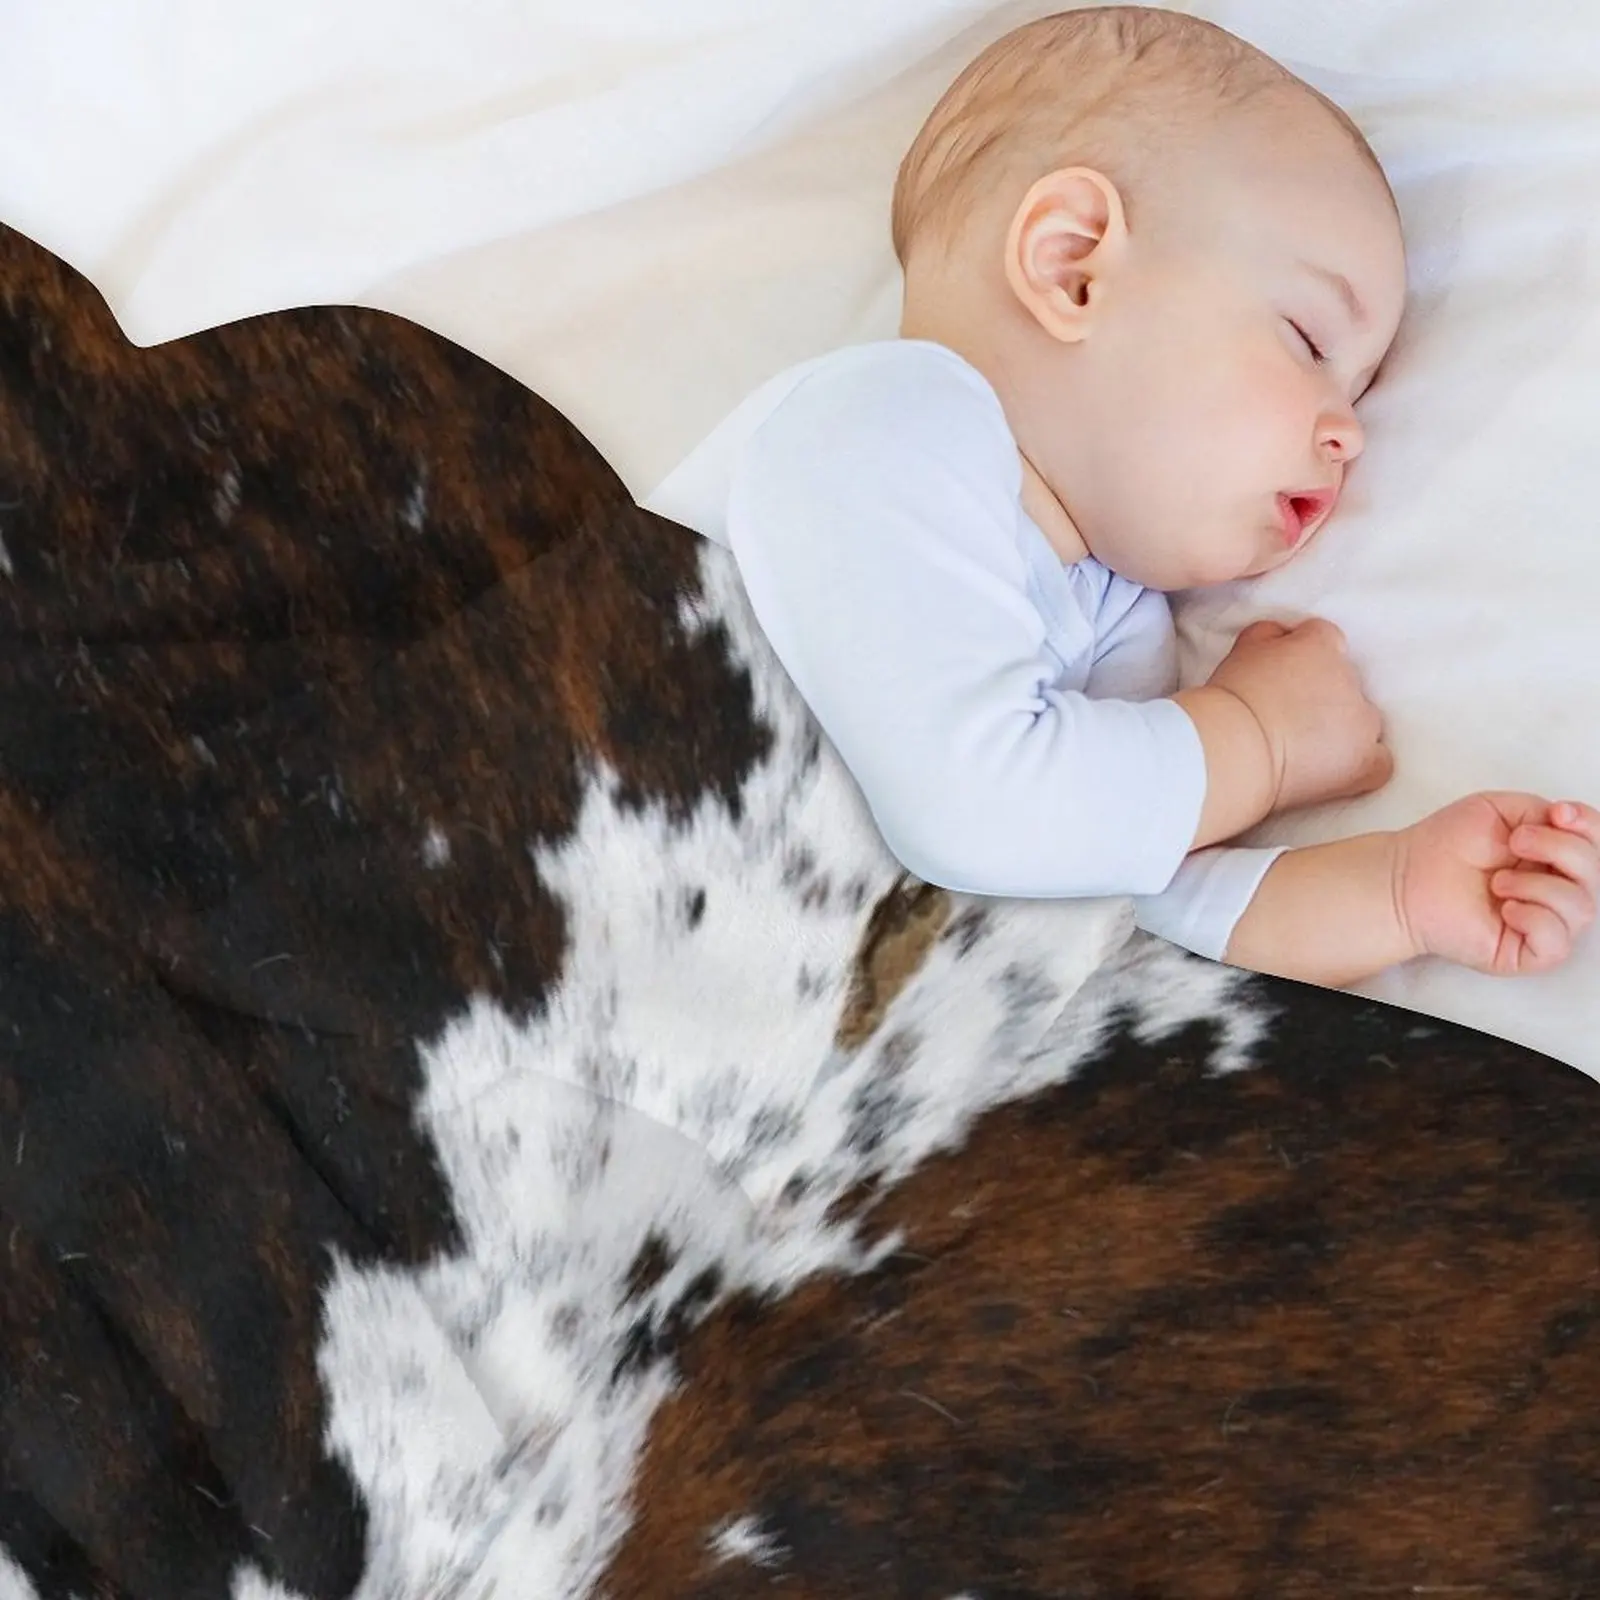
x=1117 y=88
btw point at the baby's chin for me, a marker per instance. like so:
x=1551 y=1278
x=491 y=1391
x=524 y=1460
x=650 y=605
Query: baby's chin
x=1269 y=555
x=1173 y=577
x=1190 y=559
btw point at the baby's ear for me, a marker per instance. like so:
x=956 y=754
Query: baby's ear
x=1065 y=236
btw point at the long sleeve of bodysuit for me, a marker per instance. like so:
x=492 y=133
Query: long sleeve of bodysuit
x=874 y=517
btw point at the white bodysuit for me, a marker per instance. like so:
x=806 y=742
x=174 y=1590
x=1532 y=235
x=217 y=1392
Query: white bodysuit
x=1002 y=712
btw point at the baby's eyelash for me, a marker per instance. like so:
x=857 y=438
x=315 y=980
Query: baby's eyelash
x=1316 y=354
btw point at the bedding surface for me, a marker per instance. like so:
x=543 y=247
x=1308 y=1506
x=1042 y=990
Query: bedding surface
x=642 y=211
x=480 y=1114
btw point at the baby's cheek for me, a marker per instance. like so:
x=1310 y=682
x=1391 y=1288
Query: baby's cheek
x=1279 y=399
x=1233 y=422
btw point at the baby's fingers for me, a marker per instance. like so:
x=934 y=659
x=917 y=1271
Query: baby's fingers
x=1562 y=849
x=1570 y=903
x=1578 y=818
x=1545 y=939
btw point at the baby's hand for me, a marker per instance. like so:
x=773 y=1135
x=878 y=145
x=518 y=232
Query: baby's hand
x=1501 y=883
x=1326 y=737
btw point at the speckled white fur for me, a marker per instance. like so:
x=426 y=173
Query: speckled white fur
x=681 y=1085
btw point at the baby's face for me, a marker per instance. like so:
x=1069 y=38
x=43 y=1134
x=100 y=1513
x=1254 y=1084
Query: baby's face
x=1226 y=368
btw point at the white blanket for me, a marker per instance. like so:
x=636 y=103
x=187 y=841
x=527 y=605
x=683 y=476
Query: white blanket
x=640 y=208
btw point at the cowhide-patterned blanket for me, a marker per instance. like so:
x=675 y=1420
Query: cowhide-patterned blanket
x=482 y=1115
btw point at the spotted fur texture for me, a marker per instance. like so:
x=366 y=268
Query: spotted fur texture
x=481 y=1114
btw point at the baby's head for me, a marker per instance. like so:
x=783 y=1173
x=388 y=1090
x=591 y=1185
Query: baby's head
x=1179 y=266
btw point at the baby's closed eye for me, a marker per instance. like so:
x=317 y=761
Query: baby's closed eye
x=1310 y=344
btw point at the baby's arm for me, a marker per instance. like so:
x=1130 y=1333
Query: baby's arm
x=1501 y=883
x=1283 y=721
x=1327 y=914
x=874 y=520
x=1136 y=657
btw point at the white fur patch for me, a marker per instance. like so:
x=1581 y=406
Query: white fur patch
x=744 y=1539
x=13 y=1583
x=681 y=1089
x=248 y=1584
x=681 y=1085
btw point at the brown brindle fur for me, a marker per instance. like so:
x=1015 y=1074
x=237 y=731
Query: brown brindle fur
x=1329 y=1327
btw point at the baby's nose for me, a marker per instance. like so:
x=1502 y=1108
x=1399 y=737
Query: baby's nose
x=1342 y=437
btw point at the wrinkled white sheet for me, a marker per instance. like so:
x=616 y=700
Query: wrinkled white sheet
x=641 y=208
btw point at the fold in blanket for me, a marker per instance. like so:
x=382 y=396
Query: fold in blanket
x=450 y=997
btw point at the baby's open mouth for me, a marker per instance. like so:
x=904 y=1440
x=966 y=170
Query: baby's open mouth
x=1302 y=511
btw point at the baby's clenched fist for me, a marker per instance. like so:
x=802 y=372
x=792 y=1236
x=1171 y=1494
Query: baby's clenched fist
x=1325 y=737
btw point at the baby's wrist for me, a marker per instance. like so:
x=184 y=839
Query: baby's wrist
x=1333 y=913
x=1399 y=847
x=1241 y=776
x=1272 y=757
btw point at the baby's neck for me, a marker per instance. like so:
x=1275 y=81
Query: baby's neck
x=1048 y=513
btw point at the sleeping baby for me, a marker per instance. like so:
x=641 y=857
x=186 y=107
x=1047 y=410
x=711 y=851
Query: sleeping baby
x=1148 y=275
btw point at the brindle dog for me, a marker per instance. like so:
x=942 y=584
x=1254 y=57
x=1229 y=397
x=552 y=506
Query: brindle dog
x=272 y=595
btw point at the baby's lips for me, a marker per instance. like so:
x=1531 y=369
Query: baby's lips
x=1292 y=520
x=1314 y=505
x=1301 y=510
